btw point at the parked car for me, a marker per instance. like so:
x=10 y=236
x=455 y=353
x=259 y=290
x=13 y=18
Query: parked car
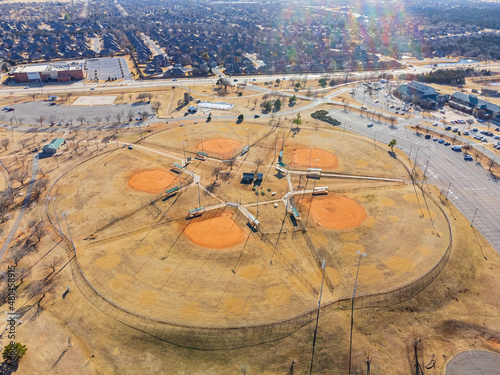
x=441 y=140
x=256 y=116
x=466 y=132
x=435 y=139
x=427 y=136
x=447 y=143
x=435 y=124
x=467 y=157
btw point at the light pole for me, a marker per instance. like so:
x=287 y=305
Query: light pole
x=52 y=199
x=361 y=254
x=425 y=171
x=257 y=205
x=66 y=220
x=317 y=317
x=199 y=196
x=447 y=191
x=473 y=217
x=310 y=156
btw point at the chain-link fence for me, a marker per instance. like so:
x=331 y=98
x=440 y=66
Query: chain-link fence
x=219 y=337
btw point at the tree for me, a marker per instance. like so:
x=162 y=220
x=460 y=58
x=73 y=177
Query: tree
x=322 y=82
x=40 y=186
x=38 y=229
x=40 y=119
x=98 y=120
x=277 y=104
x=278 y=81
x=332 y=83
x=292 y=100
x=52 y=265
x=392 y=144
x=297 y=120
x=240 y=118
x=5 y=143
x=156 y=106
x=20 y=176
x=267 y=105
x=81 y=119
x=145 y=114
x=13 y=353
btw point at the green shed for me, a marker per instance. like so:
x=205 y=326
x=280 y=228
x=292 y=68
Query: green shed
x=52 y=147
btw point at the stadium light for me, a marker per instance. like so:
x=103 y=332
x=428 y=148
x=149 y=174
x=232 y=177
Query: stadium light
x=361 y=254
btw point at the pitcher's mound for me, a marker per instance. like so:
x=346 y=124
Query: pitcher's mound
x=217 y=233
x=335 y=212
x=153 y=181
x=305 y=157
x=219 y=145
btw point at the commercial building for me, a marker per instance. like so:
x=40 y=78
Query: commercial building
x=470 y=103
x=62 y=72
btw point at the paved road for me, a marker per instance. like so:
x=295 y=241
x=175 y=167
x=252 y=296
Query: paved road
x=471 y=185
x=27 y=200
x=474 y=362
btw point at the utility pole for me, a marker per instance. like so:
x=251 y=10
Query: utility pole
x=317 y=317
x=184 y=150
x=361 y=254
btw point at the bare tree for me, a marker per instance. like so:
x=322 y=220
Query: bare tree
x=20 y=176
x=40 y=186
x=5 y=143
x=216 y=172
x=40 y=119
x=52 y=119
x=130 y=114
x=4 y=210
x=81 y=119
x=119 y=117
x=156 y=106
x=52 y=265
x=108 y=117
x=98 y=120
x=145 y=114
x=38 y=228
x=258 y=163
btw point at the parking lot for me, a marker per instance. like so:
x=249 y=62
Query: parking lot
x=107 y=67
x=29 y=113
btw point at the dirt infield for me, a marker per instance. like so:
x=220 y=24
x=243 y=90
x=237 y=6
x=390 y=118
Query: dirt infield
x=152 y=181
x=217 y=233
x=305 y=157
x=335 y=212
x=219 y=145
